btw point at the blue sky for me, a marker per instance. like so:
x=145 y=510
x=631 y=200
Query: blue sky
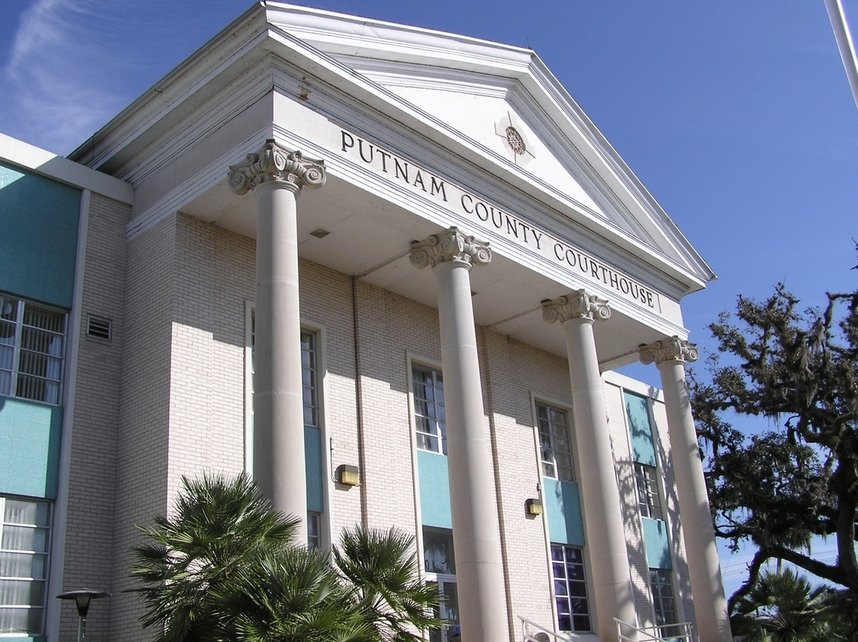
x=735 y=114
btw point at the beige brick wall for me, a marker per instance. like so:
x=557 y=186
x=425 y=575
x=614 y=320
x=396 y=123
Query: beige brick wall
x=183 y=405
x=89 y=525
x=392 y=328
x=214 y=277
x=142 y=435
x=515 y=374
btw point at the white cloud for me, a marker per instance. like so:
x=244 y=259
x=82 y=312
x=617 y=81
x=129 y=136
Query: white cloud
x=57 y=74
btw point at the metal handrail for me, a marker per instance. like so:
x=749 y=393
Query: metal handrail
x=679 y=632
x=543 y=634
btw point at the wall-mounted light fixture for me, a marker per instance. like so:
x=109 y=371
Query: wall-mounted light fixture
x=533 y=507
x=348 y=475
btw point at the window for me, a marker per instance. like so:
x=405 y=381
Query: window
x=314 y=530
x=24 y=542
x=309 y=379
x=554 y=444
x=648 y=497
x=438 y=554
x=662 y=597
x=429 y=416
x=32 y=343
x=570 y=588
x=440 y=565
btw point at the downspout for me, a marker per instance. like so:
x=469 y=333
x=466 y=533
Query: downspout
x=364 y=513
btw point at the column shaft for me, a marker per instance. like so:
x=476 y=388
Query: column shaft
x=278 y=444
x=476 y=534
x=473 y=500
x=603 y=521
x=277 y=176
x=704 y=567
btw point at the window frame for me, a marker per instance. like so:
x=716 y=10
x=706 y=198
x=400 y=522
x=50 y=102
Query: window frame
x=648 y=489
x=661 y=580
x=32 y=553
x=583 y=580
x=441 y=580
x=552 y=468
x=438 y=417
x=14 y=372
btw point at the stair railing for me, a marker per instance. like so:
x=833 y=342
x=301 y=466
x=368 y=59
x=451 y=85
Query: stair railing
x=679 y=632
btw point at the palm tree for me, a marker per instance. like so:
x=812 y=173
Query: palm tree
x=224 y=567
x=294 y=596
x=381 y=569
x=782 y=607
x=220 y=527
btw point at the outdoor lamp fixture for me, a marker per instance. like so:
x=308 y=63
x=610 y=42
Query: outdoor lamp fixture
x=348 y=475
x=82 y=599
x=533 y=507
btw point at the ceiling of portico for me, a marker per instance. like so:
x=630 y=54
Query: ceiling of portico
x=369 y=237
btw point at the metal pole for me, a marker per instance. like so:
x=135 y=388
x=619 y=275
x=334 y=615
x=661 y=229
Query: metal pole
x=844 y=44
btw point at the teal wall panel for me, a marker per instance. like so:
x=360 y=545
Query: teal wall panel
x=434 y=490
x=313 y=463
x=657 y=543
x=38 y=243
x=563 y=508
x=640 y=428
x=29 y=448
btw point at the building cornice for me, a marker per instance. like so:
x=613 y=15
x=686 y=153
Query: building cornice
x=48 y=164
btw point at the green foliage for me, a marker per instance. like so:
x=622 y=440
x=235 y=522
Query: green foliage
x=797 y=372
x=218 y=528
x=224 y=567
x=294 y=597
x=382 y=568
x=782 y=607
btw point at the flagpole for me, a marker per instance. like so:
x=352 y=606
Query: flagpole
x=844 y=44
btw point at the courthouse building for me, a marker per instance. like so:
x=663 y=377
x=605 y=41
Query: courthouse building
x=390 y=272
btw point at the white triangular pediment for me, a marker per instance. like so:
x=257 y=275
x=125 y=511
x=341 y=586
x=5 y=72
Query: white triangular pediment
x=473 y=90
x=493 y=117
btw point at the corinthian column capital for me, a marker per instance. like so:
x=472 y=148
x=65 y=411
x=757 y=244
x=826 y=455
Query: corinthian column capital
x=450 y=246
x=273 y=164
x=672 y=349
x=576 y=305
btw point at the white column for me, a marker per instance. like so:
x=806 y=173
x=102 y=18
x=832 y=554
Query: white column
x=704 y=568
x=277 y=177
x=476 y=533
x=603 y=521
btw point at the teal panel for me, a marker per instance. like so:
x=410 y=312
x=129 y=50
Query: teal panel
x=313 y=463
x=38 y=245
x=563 y=508
x=434 y=489
x=640 y=428
x=29 y=448
x=657 y=543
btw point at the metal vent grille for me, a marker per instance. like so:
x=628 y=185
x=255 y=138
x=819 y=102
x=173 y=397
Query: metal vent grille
x=98 y=328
